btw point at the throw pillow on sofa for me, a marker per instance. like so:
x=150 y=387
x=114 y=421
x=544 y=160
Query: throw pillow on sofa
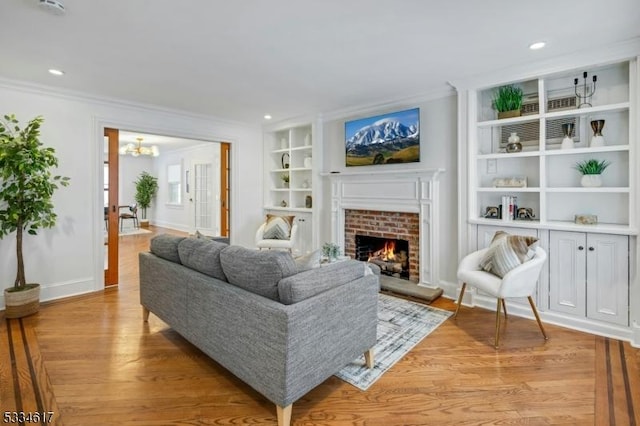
x=309 y=261
x=257 y=271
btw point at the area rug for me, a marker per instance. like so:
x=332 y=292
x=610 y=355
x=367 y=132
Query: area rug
x=401 y=325
x=134 y=231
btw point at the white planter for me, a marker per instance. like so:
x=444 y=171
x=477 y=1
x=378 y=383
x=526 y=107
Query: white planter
x=591 y=181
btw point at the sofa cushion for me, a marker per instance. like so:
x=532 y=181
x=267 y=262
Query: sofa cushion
x=506 y=252
x=306 y=284
x=202 y=255
x=166 y=246
x=257 y=271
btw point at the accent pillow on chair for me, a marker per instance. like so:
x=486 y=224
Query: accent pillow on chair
x=277 y=227
x=507 y=251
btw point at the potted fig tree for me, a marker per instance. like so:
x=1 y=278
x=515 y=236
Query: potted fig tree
x=26 y=190
x=146 y=187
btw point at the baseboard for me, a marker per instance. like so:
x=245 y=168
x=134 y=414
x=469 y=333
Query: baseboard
x=61 y=290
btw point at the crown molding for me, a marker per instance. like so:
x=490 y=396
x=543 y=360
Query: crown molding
x=39 y=89
x=596 y=56
x=405 y=102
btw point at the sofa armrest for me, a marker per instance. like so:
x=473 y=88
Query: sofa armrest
x=283 y=351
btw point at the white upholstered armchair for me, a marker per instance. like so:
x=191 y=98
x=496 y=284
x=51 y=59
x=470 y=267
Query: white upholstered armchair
x=518 y=282
x=270 y=243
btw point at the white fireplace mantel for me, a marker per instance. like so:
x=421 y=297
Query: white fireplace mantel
x=411 y=191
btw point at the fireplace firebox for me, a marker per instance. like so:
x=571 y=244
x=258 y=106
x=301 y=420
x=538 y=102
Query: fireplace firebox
x=390 y=254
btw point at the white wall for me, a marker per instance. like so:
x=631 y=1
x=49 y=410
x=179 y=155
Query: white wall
x=438 y=149
x=181 y=216
x=129 y=169
x=68 y=259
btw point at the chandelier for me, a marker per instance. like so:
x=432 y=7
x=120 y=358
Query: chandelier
x=136 y=150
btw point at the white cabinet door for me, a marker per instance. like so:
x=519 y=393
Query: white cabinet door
x=608 y=278
x=567 y=272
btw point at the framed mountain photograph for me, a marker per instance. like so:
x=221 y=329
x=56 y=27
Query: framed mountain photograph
x=383 y=139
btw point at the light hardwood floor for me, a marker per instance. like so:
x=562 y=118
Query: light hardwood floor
x=92 y=361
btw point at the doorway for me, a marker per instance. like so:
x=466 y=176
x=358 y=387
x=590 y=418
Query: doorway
x=196 y=197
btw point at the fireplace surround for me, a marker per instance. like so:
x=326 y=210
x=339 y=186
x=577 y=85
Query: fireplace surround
x=399 y=197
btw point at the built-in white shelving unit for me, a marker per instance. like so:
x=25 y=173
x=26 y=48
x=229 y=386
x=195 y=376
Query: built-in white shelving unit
x=592 y=278
x=289 y=151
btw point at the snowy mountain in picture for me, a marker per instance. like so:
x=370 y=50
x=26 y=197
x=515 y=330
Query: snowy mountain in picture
x=390 y=138
x=381 y=131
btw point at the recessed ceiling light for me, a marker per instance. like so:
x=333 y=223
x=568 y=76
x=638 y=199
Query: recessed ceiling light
x=537 y=45
x=56 y=72
x=267 y=117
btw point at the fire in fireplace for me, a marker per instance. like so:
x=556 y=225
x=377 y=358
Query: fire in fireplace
x=391 y=255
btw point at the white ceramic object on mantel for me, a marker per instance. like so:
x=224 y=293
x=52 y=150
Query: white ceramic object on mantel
x=591 y=181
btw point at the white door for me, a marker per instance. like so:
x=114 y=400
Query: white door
x=205 y=199
x=608 y=278
x=567 y=272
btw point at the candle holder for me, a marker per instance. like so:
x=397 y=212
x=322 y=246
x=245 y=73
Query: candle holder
x=587 y=91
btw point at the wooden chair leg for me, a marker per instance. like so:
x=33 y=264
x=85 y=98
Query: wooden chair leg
x=500 y=301
x=145 y=314
x=535 y=312
x=368 y=358
x=284 y=414
x=464 y=286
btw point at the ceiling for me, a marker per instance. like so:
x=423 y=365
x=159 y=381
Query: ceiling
x=239 y=60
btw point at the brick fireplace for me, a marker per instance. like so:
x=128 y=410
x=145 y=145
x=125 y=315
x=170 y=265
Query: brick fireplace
x=388 y=226
x=400 y=204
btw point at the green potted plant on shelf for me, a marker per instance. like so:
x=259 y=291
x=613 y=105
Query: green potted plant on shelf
x=285 y=179
x=591 y=171
x=26 y=192
x=508 y=101
x=146 y=187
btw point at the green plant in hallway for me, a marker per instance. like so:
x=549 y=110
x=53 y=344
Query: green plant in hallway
x=27 y=185
x=146 y=188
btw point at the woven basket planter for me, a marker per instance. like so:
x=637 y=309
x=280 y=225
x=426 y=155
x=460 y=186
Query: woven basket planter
x=19 y=304
x=509 y=114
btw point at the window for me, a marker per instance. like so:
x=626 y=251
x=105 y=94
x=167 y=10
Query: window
x=174 y=183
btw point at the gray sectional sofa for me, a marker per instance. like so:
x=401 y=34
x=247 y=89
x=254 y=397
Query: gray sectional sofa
x=280 y=330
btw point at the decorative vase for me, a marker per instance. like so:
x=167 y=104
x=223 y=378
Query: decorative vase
x=283 y=203
x=307 y=139
x=597 y=139
x=308 y=162
x=591 y=181
x=21 y=303
x=514 y=144
x=567 y=142
x=308 y=201
x=284 y=160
